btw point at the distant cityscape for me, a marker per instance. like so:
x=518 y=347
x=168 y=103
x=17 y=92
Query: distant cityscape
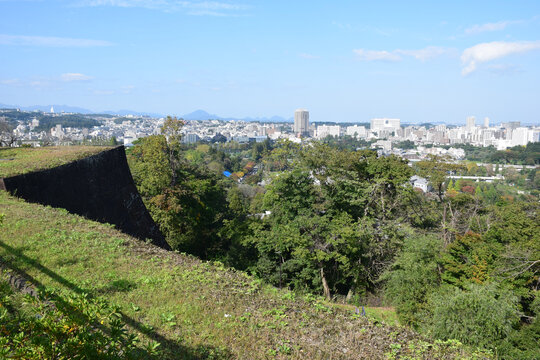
x=381 y=133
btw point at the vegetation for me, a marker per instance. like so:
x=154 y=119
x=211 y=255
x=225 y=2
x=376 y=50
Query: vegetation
x=347 y=225
x=47 y=121
x=16 y=161
x=461 y=265
x=70 y=326
x=169 y=305
x=522 y=155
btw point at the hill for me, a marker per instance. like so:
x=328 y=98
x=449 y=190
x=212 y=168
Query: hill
x=17 y=161
x=193 y=309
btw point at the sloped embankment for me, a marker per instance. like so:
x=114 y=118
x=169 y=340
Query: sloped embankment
x=194 y=309
x=98 y=187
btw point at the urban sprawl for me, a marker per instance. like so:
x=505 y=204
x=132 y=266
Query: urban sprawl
x=381 y=132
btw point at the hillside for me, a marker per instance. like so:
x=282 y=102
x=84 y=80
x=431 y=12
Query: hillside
x=16 y=161
x=194 y=309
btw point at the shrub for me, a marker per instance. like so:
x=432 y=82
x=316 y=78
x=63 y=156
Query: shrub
x=413 y=275
x=480 y=315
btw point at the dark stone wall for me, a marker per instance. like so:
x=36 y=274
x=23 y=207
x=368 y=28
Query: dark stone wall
x=99 y=187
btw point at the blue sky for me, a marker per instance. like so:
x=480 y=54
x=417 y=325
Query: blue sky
x=342 y=60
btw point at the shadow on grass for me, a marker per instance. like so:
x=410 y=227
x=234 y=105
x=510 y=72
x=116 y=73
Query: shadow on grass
x=171 y=348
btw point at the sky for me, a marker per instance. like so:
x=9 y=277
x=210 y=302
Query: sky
x=420 y=61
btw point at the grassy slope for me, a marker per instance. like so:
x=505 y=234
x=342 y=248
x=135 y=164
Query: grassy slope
x=195 y=309
x=15 y=161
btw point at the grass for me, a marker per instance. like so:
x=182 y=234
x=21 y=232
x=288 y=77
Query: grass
x=385 y=315
x=15 y=161
x=193 y=309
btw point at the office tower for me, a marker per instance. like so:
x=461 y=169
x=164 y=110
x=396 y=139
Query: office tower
x=470 y=122
x=486 y=122
x=301 y=122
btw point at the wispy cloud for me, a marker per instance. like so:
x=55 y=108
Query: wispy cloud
x=200 y=8
x=10 y=81
x=342 y=26
x=68 y=77
x=504 y=69
x=308 y=56
x=376 y=55
x=50 y=41
x=424 y=54
x=496 y=26
x=485 y=52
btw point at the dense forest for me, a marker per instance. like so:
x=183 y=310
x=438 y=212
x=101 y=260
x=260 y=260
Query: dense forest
x=461 y=262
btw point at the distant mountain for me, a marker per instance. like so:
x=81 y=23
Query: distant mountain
x=75 y=109
x=47 y=108
x=195 y=115
x=203 y=115
x=130 y=112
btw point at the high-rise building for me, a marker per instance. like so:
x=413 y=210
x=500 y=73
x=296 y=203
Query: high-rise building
x=520 y=136
x=470 y=122
x=486 y=122
x=301 y=122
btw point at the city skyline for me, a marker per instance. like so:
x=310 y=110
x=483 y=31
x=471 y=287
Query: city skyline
x=419 y=61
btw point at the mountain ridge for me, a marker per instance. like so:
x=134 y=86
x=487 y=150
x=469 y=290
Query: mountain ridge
x=198 y=114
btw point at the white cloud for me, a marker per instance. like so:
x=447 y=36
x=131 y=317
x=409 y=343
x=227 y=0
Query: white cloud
x=50 y=41
x=75 y=77
x=10 y=82
x=376 y=55
x=485 y=52
x=497 y=26
x=342 y=26
x=208 y=8
x=39 y=83
x=424 y=54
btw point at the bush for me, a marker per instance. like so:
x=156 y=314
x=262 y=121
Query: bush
x=480 y=315
x=413 y=275
x=71 y=326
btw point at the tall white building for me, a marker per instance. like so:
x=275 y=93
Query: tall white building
x=301 y=122
x=523 y=135
x=385 y=124
x=486 y=122
x=470 y=123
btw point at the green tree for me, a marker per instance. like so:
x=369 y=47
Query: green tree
x=479 y=315
x=436 y=169
x=412 y=277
